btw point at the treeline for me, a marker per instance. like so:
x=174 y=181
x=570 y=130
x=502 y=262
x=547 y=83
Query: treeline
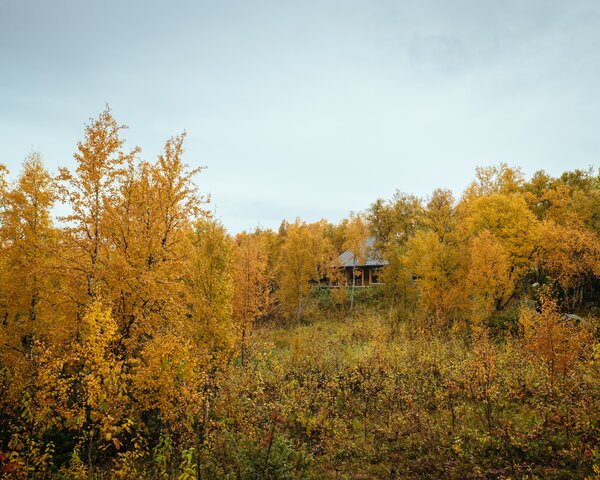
x=126 y=323
x=454 y=264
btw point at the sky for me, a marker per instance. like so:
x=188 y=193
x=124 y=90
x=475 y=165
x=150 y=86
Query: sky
x=308 y=108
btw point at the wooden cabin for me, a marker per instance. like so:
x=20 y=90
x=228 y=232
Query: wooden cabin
x=366 y=271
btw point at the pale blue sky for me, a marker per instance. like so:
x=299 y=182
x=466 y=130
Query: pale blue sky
x=309 y=108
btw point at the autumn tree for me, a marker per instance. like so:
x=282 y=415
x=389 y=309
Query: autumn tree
x=29 y=239
x=440 y=216
x=495 y=180
x=148 y=227
x=211 y=285
x=304 y=259
x=28 y=278
x=393 y=223
x=252 y=282
x=433 y=262
x=488 y=280
x=573 y=199
x=509 y=219
x=435 y=271
x=89 y=191
x=395 y=220
x=355 y=240
x=583 y=204
x=336 y=234
x=570 y=258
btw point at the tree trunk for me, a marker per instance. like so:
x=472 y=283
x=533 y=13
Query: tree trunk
x=243 y=345
x=353 y=285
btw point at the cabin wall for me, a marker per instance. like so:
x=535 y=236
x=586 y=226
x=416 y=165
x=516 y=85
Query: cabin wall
x=366 y=276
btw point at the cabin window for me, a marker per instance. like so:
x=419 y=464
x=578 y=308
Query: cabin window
x=375 y=275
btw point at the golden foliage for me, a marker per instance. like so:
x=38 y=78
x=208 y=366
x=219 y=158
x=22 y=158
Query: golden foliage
x=488 y=275
x=121 y=329
x=304 y=259
x=554 y=339
x=252 y=278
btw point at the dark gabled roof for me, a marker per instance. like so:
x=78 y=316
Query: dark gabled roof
x=348 y=258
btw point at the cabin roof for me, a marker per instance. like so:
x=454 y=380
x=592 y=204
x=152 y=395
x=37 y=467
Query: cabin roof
x=347 y=258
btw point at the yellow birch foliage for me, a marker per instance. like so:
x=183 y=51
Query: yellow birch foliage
x=434 y=262
x=571 y=255
x=211 y=287
x=394 y=221
x=148 y=227
x=28 y=241
x=435 y=268
x=495 y=180
x=170 y=381
x=511 y=222
x=251 y=280
x=304 y=259
x=488 y=275
x=88 y=191
x=178 y=365
x=440 y=216
x=355 y=237
x=101 y=377
x=554 y=340
x=86 y=383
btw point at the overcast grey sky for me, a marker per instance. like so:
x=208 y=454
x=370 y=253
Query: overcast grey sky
x=309 y=108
